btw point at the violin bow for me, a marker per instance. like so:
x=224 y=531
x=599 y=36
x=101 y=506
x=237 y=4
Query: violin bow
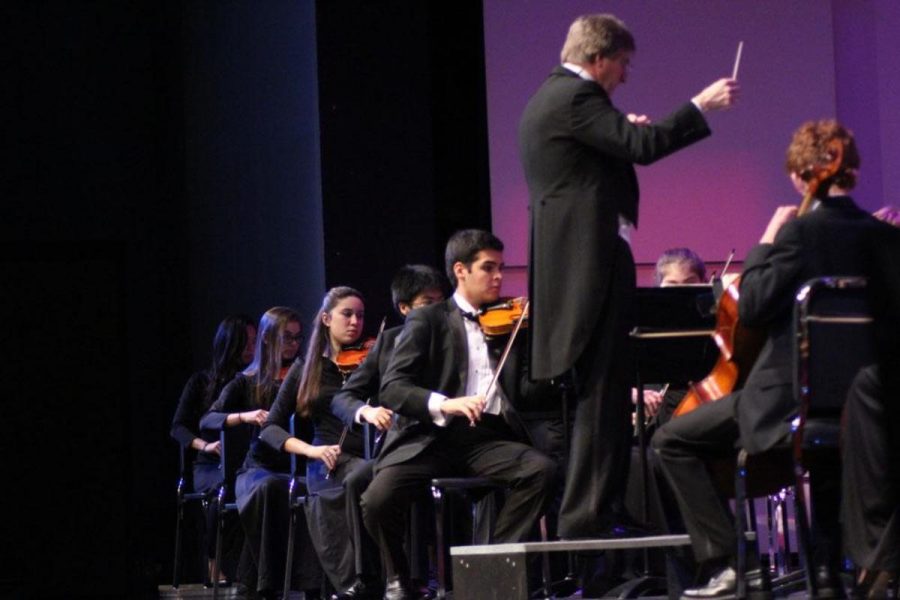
x=506 y=350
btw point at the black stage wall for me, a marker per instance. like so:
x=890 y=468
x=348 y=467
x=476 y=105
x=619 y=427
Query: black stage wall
x=404 y=137
x=163 y=169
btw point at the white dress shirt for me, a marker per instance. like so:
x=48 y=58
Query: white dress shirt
x=479 y=370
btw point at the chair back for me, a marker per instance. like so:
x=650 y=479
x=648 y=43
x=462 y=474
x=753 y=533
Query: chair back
x=835 y=338
x=292 y=427
x=234 y=442
x=185 y=475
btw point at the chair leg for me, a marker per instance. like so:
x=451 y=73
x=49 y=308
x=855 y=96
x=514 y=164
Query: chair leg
x=437 y=495
x=772 y=532
x=801 y=520
x=786 y=529
x=545 y=558
x=220 y=530
x=740 y=501
x=206 y=507
x=289 y=564
x=176 y=568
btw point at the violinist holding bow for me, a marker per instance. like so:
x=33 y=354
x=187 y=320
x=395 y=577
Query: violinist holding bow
x=413 y=286
x=338 y=324
x=435 y=383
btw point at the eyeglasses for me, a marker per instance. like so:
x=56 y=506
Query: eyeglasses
x=288 y=339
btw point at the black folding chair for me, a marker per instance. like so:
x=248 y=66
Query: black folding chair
x=233 y=445
x=183 y=498
x=834 y=340
x=297 y=498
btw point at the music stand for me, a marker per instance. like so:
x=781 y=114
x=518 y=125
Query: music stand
x=672 y=343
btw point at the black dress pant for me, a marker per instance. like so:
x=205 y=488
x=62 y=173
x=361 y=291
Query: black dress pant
x=459 y=451
x=262 y=499
x=871 y=475
x=684 y=447
x=687 y=445
x=601 y=437
x=365 y=552
x=326 y=514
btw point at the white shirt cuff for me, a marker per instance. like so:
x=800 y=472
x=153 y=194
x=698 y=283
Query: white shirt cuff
x=357 y=418
x=434 y=408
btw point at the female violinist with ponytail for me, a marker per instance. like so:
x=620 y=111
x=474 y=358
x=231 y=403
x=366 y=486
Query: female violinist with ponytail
x=822 y=161
x=337 y=325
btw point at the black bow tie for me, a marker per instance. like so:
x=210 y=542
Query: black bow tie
x=470 y=316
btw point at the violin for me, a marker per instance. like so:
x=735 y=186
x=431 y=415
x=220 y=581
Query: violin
x=739 y=345
x=349 y=358
x=501 y=318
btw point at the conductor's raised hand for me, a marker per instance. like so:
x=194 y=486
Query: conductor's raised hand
x=469 y=407
x=638 y=119
x=719 y=95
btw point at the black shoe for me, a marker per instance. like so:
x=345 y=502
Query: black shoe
x=359 y=590
x=723 y=586
x=421 y=591
x=397 y=589
x=624 y=530
x=828 y=584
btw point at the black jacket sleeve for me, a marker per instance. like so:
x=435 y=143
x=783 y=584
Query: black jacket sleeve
x=276 y=430
x=190 y=408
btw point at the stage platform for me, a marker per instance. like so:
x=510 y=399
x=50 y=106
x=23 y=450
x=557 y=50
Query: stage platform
x=196 y=591
x=503 y=571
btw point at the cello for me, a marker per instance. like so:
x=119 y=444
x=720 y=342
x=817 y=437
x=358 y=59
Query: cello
x=739 y=345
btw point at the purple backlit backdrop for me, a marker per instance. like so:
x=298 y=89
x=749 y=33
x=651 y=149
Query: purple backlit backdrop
x=802 y=60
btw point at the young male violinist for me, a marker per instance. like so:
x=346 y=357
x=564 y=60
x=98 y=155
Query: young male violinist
x=413 y=286
x=449 y=423
x=829 y=240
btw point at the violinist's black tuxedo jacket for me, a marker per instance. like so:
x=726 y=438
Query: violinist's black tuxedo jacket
x=365 y=381
x=431 y=356
x=833 y=239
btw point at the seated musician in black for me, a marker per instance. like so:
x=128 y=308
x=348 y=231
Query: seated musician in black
x=870 y=440
x=436 y=384
x=413 y=286
x=675 y=266
x=829 y=240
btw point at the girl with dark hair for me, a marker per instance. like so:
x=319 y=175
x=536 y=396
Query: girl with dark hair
x=232 y=350
x=261 y=484
x=337 y=325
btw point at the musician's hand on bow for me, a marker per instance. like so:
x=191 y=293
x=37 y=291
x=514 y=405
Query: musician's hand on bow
x=782 y=215
x=652 y=401
x=212 y=448
x=469 y=407
x=327 y=454
x=378 y=416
